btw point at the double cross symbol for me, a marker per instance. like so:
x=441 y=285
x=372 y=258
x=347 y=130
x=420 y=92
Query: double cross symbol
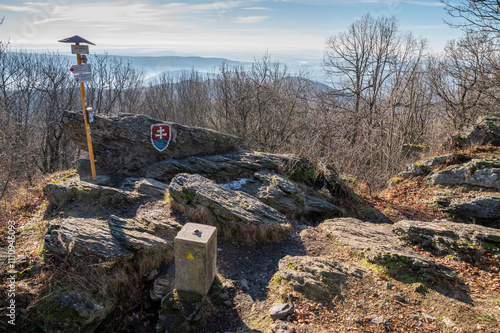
x=161 y=133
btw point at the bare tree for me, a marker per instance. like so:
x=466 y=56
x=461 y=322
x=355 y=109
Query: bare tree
x=380 y=96
x=483 y=15
x=116 y=87
x=358 y=62
x=462 y=78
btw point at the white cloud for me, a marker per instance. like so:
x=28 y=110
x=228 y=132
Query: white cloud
x=257 y=8
x=427 y=4
x=18 y=9
x=250 y=19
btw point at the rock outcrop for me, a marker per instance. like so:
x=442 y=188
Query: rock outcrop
x=107 y=253
x=428 y=166
x=477 y=173
x=444 y=238
x=375 y=242
x=91 y=195
x=475 y=208
x=121 y=225
x=235 y=213
x=316 y=278
x=284 y=195
x=462 y=177
x=110 y=239
x=124 y=141
x=487 y=131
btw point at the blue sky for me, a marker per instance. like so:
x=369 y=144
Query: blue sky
x=234 y=29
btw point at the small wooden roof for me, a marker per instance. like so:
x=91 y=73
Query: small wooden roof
x=75 y=39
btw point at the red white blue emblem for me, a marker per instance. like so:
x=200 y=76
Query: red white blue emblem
x=160 y=136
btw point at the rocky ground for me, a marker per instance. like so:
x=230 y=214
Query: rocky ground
x=298 y=251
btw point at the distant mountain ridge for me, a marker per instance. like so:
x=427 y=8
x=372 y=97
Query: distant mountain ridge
x=154 y=65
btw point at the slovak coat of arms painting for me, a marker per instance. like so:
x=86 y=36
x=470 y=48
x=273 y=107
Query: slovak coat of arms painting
x=160 y=136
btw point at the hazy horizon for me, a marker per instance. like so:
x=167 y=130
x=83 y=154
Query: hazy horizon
x=240 y=30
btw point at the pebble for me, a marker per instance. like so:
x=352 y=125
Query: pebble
x=244 y=284
x=419 y=288
x=280 y=311
x=399 y=298
x=282 y=327
x=428 y=317
x=389 y=286
x=379 y=320
x=448 y=322
x=151 y=274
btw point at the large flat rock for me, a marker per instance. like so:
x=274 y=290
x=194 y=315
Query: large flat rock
x=124 y=141
x=376 y=242
x=476 y=208
x=487 y=131
x=477 y=173
x=285 y=196
x=86 y=194
x=227 y=167
x=236 y=214
x=444 y=237
x=317 y=278
x=110 y=239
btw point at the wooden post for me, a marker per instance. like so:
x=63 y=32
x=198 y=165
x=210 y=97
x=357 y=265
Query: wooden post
x=85 y=117
x=76 y=40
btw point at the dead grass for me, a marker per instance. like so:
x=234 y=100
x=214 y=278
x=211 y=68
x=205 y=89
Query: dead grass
x=41 y=276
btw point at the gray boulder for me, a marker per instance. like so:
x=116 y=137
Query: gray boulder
x=477 y=208
x=487 y=131
x=286 y=196
x=280 y=311
x=161 y=287
x=236 y=214
x=74 y=311
x=146 y=186
x=106 y=257
x=109 y=239
x=444 y=237
x=124 y=141
x=376 y=242
x=314 y=206
x=477 y=173
x=89 y=195
x=317 y=278
x=180 y=312
x=427 y=166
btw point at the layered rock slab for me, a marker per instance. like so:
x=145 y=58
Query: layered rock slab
x=124 y=141
x=376 y=242
x=317 y=278
x=90 y=195
x=487 y=131
x=110 y=239
x=236 y=214
x=476 y=208
x=285 y=196
x=444 y=237
x=478 y=173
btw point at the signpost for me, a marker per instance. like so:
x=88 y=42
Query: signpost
x=82 y=73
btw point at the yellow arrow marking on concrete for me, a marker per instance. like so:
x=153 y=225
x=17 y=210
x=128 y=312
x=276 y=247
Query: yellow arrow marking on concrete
x=190 y=256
